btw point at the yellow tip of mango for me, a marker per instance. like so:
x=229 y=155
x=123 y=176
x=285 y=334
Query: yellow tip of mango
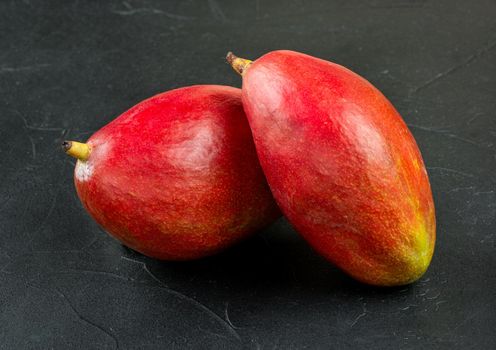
x=76 y=149
x=238 y=64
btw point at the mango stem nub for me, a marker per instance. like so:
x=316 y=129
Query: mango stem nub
x=238 y=64
x=76 y=149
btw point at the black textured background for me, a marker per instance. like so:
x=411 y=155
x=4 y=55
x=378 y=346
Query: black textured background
x=69 y=67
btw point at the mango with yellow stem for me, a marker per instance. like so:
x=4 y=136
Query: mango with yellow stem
x=176 y=177
x=342 y=165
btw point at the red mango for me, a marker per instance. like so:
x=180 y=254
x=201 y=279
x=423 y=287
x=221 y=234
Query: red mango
x=341 y=164
x=176 y=177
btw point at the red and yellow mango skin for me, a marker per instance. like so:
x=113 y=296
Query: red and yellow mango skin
x=177 y=177
x=342 y=166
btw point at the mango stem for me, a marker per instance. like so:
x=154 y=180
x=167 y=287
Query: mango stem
x=238 y=64
x=77 y=150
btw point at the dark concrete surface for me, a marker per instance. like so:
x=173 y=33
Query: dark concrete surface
x=69 y=67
